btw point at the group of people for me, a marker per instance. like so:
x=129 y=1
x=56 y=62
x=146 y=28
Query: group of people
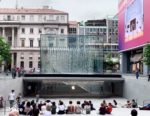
x=34 y=108
x=48 y=107
x=131 y=104
x=17 y=71
x=105 y=108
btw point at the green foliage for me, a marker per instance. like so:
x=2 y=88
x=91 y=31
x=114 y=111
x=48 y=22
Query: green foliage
x=4 y=51
x=146 y=55
x=109 y=58
x=109 y=62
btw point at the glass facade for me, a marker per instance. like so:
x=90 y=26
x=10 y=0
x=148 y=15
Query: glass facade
x=68 y=54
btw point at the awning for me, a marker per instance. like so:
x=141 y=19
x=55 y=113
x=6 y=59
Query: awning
x=136 y=58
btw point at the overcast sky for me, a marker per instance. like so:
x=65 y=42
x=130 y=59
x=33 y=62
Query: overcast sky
x=78 y=9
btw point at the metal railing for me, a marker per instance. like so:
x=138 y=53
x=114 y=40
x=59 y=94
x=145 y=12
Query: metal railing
x=5 y=106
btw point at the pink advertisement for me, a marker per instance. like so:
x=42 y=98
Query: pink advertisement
x=134 y=26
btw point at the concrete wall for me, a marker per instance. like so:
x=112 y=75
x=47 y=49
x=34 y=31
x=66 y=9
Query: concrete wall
x=6 y=85
x=138 y=89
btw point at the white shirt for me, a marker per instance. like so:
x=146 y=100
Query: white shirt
x=43 y=108
x=61 y=107
x=11 y=96
x=46 y=113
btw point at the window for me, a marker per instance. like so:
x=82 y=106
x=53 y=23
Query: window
x=109 y=30
x=23 y=30
x=40 y=30
x=23 y=17
x=51 y=17
x=62 y=18
x=40 y=17
x=104 y=30
x=44 y=18
x=72 y=31
x=31 y=18
x=23 y=43
x=50 y=44
x=18 y=18
x=62 y=31
x=57 y=18
x=30 y=58
x=10 y=41
x=8 y=17
x=22 y=64
x=31 y=42
x=30 y=64
x=22 y=57
x=31 y=31
x=109 y=40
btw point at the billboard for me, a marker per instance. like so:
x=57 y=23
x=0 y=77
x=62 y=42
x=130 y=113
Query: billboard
x=133 y=23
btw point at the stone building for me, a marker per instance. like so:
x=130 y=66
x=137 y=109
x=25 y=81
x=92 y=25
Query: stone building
x=22 y=27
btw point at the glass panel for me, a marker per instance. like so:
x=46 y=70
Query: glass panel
x=61 y=54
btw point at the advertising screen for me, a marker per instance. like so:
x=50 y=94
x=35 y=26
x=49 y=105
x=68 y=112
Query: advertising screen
x=133 y=23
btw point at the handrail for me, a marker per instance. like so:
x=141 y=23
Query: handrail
x=3 y=106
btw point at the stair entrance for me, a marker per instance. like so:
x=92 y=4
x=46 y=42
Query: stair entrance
x=72 y=88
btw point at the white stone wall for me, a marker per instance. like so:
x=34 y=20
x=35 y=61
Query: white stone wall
x=27 y=35
x=26 y=54
x=137 y=89
x=7 y=85
x=38 y=18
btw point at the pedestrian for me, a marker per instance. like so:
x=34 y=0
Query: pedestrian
x=19 y=72
x=134 y=104
x=13 y=71
x=137 y=73
x=11 y=98
x=37 y=98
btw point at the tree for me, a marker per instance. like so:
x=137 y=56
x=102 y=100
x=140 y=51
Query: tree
x=109 y=62
x=4 y=51
x=146 y=55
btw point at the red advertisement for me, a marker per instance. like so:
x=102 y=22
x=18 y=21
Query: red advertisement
x=133 y=24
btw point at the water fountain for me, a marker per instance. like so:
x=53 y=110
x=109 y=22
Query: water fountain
x=63 y=54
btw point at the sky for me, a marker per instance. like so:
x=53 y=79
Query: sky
x=78 y=10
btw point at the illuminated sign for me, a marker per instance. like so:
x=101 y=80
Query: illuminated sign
x=133 y=24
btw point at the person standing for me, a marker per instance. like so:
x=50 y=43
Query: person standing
x=13 y=71
x=37 y=98
x=11 y=98
x=137 y=73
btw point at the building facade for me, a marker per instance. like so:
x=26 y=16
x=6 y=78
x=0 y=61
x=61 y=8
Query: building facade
x=22 y=29
x=133 y=34
x=73 y=28
x=106 y=29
